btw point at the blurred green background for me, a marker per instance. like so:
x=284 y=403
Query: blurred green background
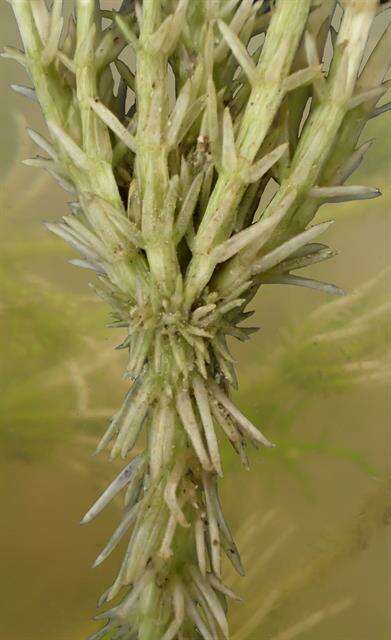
x=311 y=516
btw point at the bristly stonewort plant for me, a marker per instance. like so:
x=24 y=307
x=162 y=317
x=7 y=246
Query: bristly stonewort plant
x=198 y=139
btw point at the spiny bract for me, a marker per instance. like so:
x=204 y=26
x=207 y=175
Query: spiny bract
x=172 y=125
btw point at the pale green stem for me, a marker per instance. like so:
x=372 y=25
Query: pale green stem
x=283 y=37
x=151 y=157
x=53 y=97
x=319 y=136
x=55 y=101
x=96 y=138
x=151 y=627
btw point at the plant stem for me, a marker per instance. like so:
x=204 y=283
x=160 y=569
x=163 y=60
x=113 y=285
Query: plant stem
x=316 y=143
x=151 y=627
x=151 y=159
x=163 y=205
x=283 y=37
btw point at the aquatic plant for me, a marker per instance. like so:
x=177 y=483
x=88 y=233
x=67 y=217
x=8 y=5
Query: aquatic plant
x=185 y=203
x=267 y=604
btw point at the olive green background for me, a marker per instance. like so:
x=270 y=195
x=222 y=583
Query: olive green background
x=60 y=380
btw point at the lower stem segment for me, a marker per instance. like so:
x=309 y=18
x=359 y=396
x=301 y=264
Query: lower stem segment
x=151 y=614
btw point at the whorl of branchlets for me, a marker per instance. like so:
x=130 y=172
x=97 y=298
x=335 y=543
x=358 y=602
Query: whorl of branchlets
x=168 y=212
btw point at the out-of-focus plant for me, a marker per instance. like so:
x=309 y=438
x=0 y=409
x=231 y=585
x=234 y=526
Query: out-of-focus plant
x=47 y=358
x=340 y=345
x=267 y=604
x=168 y=212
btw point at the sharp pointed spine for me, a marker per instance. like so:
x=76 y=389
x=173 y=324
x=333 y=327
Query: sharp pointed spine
x=187 y=210
x=344 y=193
x=299 y=281
x=201 y=396
x=195 y=616
x=112 y=490
x=384 y=108
x=213 y=122
x=213 y=528
x=118 y=534
x=26 y=92
x=12 y=53
x=43 y=143
x=367 y=96
x=244 y=424
x=199 y=533
x=222 y=588
x=76 y=154
x=271 y=259
x=178 y=115
x=259 y=232
x=240 y=52
x=302 y=78
x=186 y=414
x=229 y=157
x=212 y=600
x=257 y=170
x=111 y=121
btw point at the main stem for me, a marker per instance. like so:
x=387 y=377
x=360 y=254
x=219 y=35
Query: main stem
x=180 y=283
x=151 y=627
x=152 y=153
